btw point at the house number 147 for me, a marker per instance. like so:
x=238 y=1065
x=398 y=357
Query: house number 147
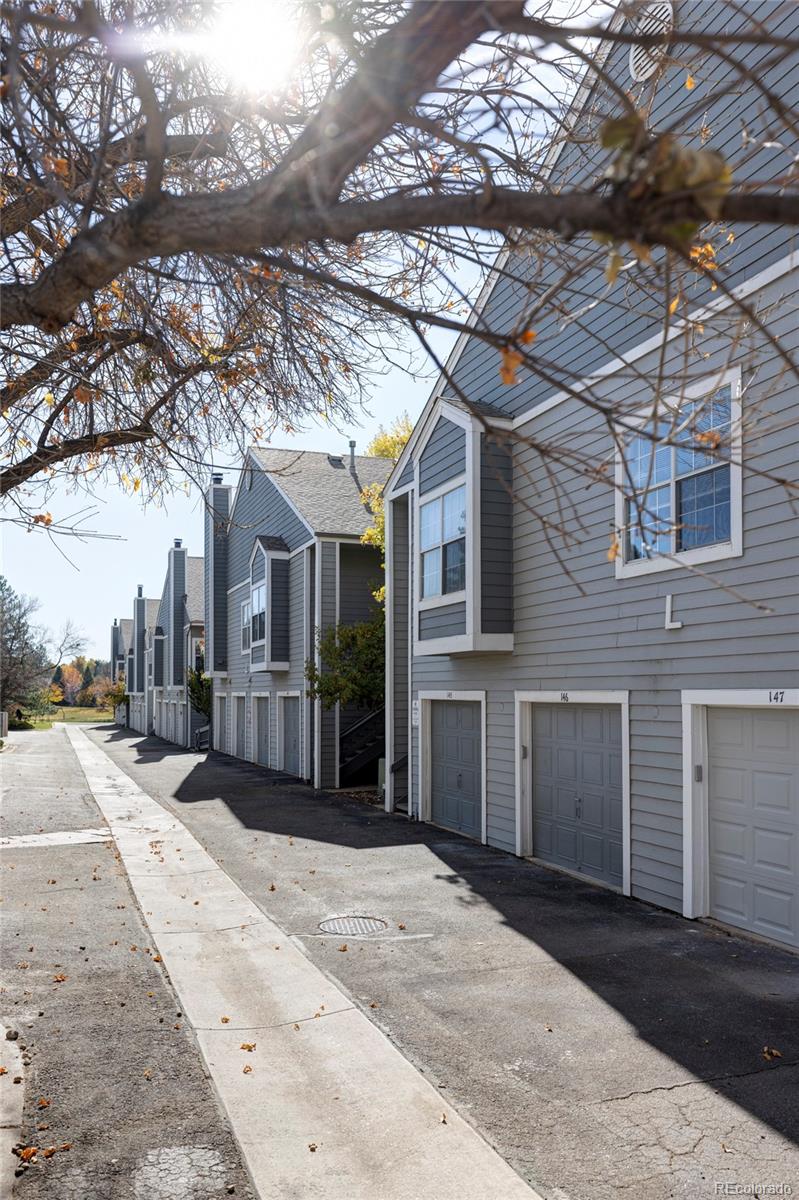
x=776 y=697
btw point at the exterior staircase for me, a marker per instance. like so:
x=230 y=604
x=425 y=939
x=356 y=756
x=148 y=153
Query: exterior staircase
x=360 y=747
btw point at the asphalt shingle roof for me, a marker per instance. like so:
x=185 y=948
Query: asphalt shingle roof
x=151 y=608
x=327 y=495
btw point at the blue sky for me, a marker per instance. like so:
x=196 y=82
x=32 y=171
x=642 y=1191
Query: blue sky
x=98 y=579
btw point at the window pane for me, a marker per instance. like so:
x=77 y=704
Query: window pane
x=431 y=573
x=703 y=509
x=430 y=524
x=707 y=429
x=455 y=566
x=649 y=530
x=261 y=626
x=646 y=462
x=454 y=514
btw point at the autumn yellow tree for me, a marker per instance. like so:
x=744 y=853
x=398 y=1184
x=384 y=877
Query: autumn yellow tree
x=71 y=683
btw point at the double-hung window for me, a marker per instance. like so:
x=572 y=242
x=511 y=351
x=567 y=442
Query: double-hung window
x=258 y=619
x=442 y=544
x=677 y=481
x=245 y=627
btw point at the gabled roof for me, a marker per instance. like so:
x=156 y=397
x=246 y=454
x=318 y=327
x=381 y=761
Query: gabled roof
x=195 y=590
x=322 y=488
x=271 y=543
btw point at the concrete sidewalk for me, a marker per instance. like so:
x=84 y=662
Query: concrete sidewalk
x=604 y=1047
x=321 y=1102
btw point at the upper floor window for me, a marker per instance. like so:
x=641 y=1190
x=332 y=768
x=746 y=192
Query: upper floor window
x=681 y=485
x=258 y=620
x=245 y=627
x=442 y=544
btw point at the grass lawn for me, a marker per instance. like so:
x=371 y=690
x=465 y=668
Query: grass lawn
x=64 y=714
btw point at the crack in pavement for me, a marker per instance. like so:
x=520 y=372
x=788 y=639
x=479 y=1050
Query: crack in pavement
x=672 y=1087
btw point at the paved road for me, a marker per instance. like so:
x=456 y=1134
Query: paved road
x=606 y=1048
x=110 y=1050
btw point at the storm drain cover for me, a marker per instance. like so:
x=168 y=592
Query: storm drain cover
x=353 y=925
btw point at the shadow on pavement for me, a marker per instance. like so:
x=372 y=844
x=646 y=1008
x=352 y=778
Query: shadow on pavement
x=696 y=995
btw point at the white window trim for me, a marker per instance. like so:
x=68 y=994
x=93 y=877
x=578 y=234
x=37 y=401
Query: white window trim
x=695 y=821
x=436 y=493
x=701 y=554
x=524 y=763
x=280 y=721
x=256 y=731
x=425 y=753
x=248 y=605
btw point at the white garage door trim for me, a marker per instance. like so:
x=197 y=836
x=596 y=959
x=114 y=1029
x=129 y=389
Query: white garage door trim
x=524 y=749
x=695 y=836
x=425 y=733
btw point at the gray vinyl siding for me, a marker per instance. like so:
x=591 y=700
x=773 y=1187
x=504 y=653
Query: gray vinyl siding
x=496 y=538
x=258 y=654
x=407 y=474
x=178 y=566
x=309 y=648
x=138 y=645
x=261 y=510
x=444 y=456
x=610 y=636
x=360 y=575
x=215 y=577
x=258 y=567
x=447 y=621
x=158 y=662
x=630 y=313
x=279 y=603
x=399 y=602
x=327 y=717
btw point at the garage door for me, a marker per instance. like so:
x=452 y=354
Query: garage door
x=577 y=788
x=456 y=766
x=753 y=800
x=291 y=735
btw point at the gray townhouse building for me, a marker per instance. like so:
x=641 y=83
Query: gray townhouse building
x=636 y=720
x=156 y=647
x=283 y=562
x=176 y=645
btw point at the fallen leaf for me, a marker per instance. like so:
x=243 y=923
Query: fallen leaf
x=548 y=1028
x=49 y=1152
x=157 y=958
x=401 y=925
x=342 y=948
x=148 y=1073
x=250 y=1046
x=312 y=1147
x=769 y=1053
x=43 y=1103
x=28 y=1152
x=3 y=1070
x=225 y=1020
x=297 y=1028
x=443 y=1118
x=65 y=1146
x=246 y=1070
x=59 y=978
x=272 y=887
x=374 y=1004
x=726 y=1149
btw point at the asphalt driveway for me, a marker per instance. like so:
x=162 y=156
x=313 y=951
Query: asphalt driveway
x=603 y=1046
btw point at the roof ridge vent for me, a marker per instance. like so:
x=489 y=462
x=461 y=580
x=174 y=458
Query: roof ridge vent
x=652 y=19
x=335 y=460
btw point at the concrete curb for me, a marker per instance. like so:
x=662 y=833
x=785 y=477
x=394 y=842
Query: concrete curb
x=12 y=1100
